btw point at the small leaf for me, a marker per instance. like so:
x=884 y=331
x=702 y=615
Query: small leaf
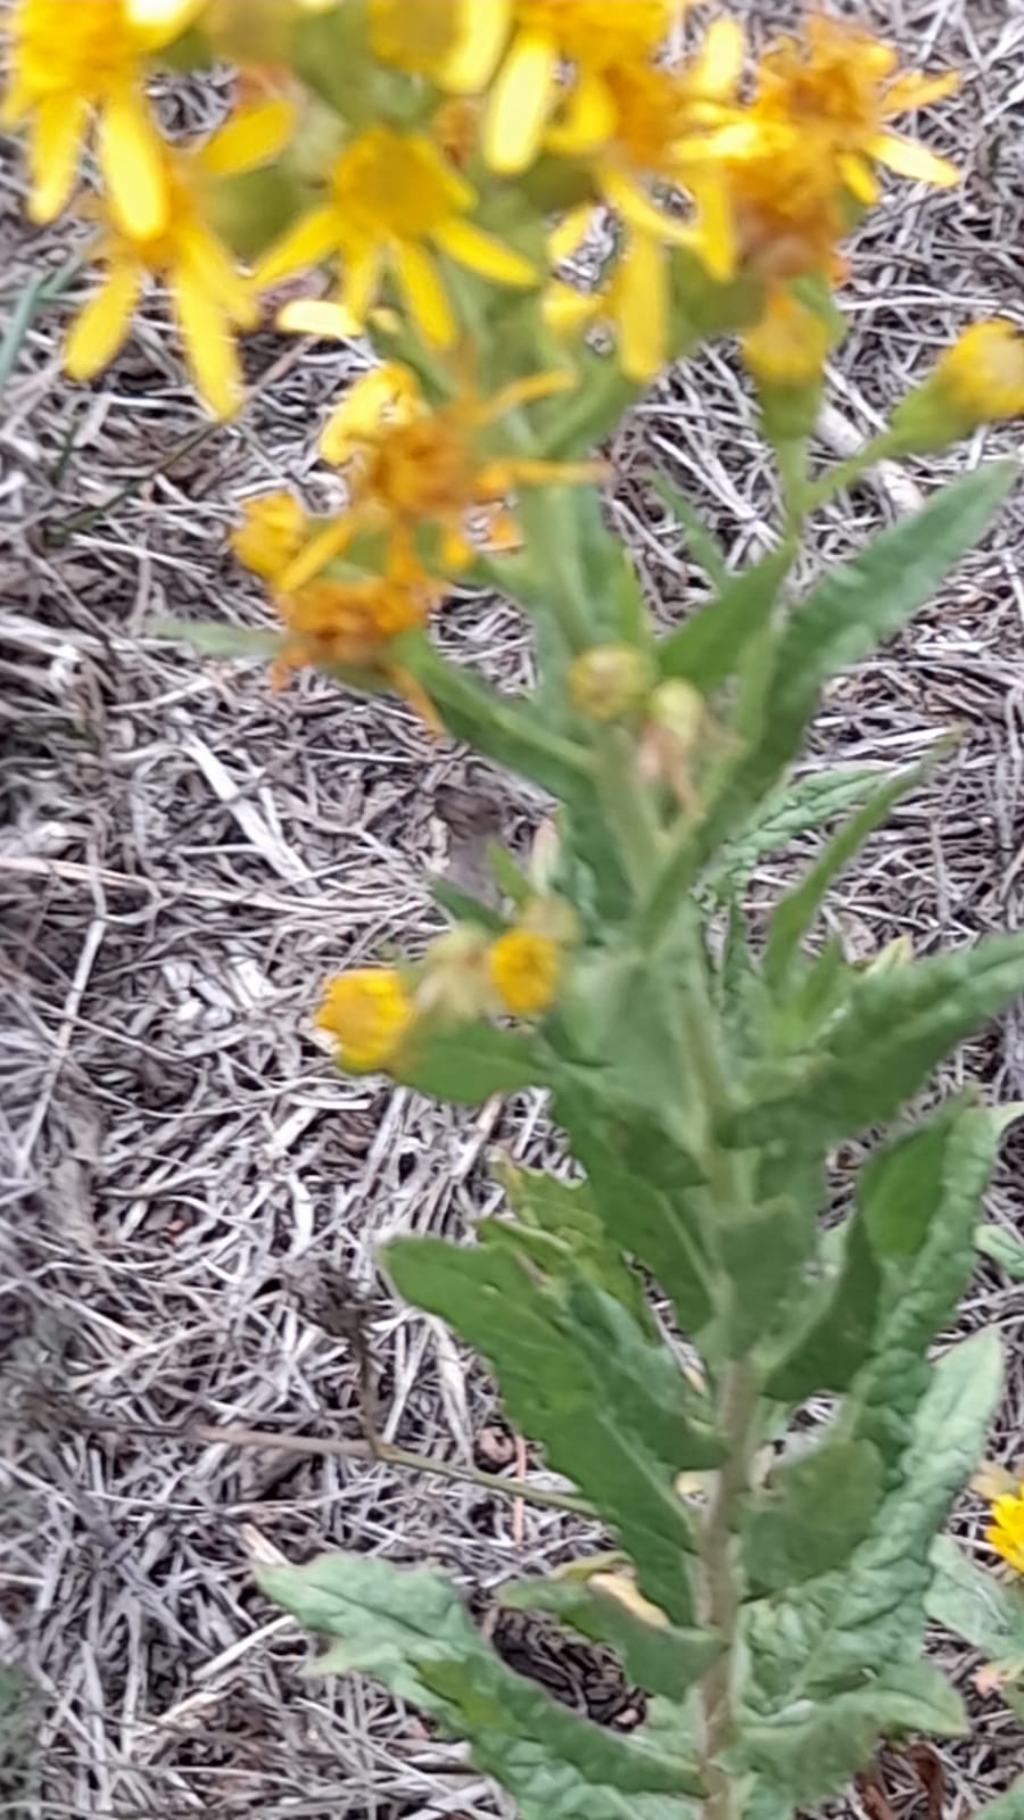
x=702 y=543
x=856 y=606
x=462 y=908
x=468 y=1065
x=409 y=1630
x=707 y=649
x=808 y=1750
x=796 y=911
x=609 y=1405
x=1003 y=1247
x=795 y=809
x=835 y=1341
x=892 y=1031
x=988 y=1613
x=816 y=1510
x=218 y=640
x=565 y=1213
x=660 y=1657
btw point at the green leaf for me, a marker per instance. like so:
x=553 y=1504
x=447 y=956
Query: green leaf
x=893 y=1029
x=409 y=1630
x=988 y=1613
x=470 y=1064
x=808 y=1750
x=796 y=911
x=835 y=1339
x=703 y=545
x=565 y=1214
x=463 y=908
x=794 y=809
x=828 y=1634
x=816 y=1510
x=610 y=1407
x=918 y=1201
x=1003 y=1247
x=763 y=1254
x=217 y=640
x=855 y=607
x=660 y=1658
x=503 y=727
x=707 y=649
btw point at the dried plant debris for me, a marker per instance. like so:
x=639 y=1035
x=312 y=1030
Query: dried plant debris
x=185 y=853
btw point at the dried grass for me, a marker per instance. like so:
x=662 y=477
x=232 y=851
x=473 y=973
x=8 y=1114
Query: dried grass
x=193 y=1199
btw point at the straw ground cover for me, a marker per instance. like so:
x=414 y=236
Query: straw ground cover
x=195 y=1200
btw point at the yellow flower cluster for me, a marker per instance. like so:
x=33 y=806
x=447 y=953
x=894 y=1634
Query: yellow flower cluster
x=373 y=1014
x=463 y=138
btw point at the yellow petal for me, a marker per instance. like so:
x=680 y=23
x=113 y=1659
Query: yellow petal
x=534 y=471
x=425 y=296
x=639 y=212
x=133 y=164
x=521 y=100
x=308 y=242
x=566 y=239
x=715 y=72
x=160 y=21
x=567 y=311
x=388 y=394
x=641 y=308
x=484 y=254
x=859 y=178
x=254 y=136
x=313 y=316
x=223 y=284
x=915 y=89
x=209 y=347
x=528 y=390
x=714 y=232
x=332 y=541
x=482 y=37
x=102 y=325
x=360 y=284
x=56 y=136
x=908 y=159
x=588 y=119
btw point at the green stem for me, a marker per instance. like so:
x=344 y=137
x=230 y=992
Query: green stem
x=721 y=1589
x=627 y=805
x=845 y=473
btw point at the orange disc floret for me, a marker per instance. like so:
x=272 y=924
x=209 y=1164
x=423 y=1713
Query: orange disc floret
x=525 y=969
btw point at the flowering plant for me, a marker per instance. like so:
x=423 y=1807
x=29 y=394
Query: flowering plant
x=658 y=1320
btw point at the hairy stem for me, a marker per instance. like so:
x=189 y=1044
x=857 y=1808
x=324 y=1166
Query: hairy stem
x=720 y=1588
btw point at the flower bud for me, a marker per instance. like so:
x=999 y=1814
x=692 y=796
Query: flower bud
x=980 y=379
x=455 y=986
x=785 y=352
x=609 y=682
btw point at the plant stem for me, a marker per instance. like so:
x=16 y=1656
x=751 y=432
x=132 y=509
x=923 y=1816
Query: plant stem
x=720 y=1588
x=820 y=491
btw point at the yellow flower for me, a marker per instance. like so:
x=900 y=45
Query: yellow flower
x=840 y=87
x=67 y=61
x=271 y=535
x=369 y=1014
x=1006 y=1531
x=209 y=297
x=558 y=46
x=525 y=969
x=350 y=624
x=395 y=202
x=412 y=466
x=789 y=345
x=982 y=374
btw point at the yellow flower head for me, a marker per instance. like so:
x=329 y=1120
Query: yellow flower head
x=1006 y=1531
x=70 y=58
x=838 y=88
x=789 y=345
x=412 y=466
x=525 y=969
x=560 y=47
x=210 y=299
x=272 y=532
x=350 y=624
x=395 y=202
x=369 y=1014
x=982 y=374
